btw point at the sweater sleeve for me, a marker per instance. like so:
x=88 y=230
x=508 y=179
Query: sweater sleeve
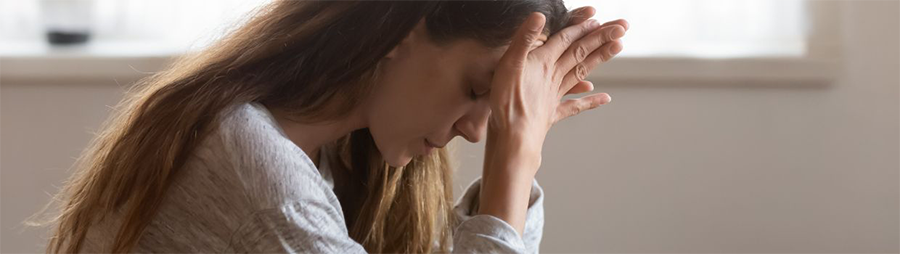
x=293 y=228
x=291 y=207
x=487 y=233
x=316 y=224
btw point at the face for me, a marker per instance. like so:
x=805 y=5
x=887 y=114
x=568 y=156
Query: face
x=425 y=95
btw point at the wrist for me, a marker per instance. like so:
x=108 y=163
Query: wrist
x=512 y=153
x=505 y=195
x=512 y=165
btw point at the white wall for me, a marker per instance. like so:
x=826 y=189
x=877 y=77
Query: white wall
x=43 y=127
x=674 y=167
x=682 y=167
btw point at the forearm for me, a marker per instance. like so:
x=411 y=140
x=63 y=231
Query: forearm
x=509 y=170
x=526 y=99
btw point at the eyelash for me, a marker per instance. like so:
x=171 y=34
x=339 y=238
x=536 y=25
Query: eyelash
x=473 y=95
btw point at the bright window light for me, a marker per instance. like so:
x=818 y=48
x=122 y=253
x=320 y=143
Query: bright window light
x=659 y=28
x=192 y=24
x=707 y=28
x=137 y=26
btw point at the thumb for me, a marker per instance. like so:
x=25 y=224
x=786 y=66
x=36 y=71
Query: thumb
x=524 y=38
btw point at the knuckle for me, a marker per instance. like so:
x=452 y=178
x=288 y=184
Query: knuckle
x=592 y=104
x=605 y=56
x=530 y=38
x=608 y=35
x=580 y=72
x=574 y=110
x=584 y=105
x=565 y=38
x=580 y=53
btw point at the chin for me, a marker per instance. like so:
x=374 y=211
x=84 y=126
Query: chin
x=398 y=160
x=393 y=154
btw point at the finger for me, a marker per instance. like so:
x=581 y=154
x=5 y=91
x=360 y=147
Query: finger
x=579 y=51
x=560 y=41
x=621 y=22
x=573 y=107
x=582 y=69
x=580 y=15
x=582 y=87
x=524 y=39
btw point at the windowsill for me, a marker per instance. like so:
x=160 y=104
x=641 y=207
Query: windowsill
x=122 y=61
x=757 y=70
x=35 y=63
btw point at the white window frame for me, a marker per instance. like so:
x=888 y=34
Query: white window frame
x=819 y=65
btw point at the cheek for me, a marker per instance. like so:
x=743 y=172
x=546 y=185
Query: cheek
x=400 y=115
x=401 y=125
x=390 y=128
x=415 y=99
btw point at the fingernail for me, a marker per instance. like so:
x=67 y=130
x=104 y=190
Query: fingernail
x=616 y=48
x=618 y=32
x=593 y=23
x=606 y=99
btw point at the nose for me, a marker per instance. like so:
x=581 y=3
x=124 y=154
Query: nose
x=473 y=125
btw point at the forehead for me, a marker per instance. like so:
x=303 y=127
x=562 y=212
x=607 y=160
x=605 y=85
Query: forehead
x=478 y=58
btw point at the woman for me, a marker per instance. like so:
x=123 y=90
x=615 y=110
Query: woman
x=318 y=127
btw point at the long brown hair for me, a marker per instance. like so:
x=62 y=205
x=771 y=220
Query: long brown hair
x=314 y=58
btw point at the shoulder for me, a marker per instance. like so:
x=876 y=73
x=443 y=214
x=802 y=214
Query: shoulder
x=248 y=129
x=248 y=145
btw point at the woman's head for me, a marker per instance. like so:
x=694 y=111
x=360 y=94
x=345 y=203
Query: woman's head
x=434 y=84
x=426 y=84
x=408 y=65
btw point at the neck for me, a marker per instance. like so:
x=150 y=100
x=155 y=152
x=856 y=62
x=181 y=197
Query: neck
x=310 y=137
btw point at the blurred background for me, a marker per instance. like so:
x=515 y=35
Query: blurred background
x=744 y=126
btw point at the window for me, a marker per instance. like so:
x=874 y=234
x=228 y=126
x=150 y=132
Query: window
x=755 y=40
x=707 y=28
x=760 y=41
x=129 y=38
x=157 y=27
x=191 y=24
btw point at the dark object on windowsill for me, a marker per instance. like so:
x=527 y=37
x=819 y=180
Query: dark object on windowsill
x=67 y=37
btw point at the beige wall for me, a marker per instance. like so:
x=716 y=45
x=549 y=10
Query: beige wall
x=666 y=167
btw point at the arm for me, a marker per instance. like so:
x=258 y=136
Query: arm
x=530 y=81
x=507 y=190
x=486 y=228
x=297 y=227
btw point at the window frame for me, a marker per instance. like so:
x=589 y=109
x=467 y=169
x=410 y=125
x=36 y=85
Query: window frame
x=820 y=65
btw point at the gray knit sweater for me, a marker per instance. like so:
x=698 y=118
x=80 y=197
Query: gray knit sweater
x=248 y=188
